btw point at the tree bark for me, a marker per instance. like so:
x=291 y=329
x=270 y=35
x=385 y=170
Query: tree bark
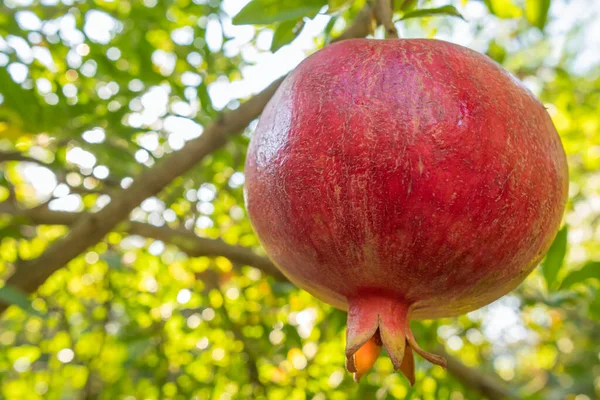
x=187 y=241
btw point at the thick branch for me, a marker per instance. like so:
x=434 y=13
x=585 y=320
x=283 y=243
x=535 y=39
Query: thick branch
x=16 y=156
x=384 y=16
x=489 y=386
x=6 y=156
x=91 y=228
x=360 y=27
x=187 y=241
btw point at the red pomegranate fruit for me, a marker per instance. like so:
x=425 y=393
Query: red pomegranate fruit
x=404 y=179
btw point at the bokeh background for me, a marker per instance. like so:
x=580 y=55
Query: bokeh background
x=178 y=301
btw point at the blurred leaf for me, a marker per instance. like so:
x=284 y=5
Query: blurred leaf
x=429 y=12
x=559 y=299
x=285 y=33
x=536 y=12
x=14 y=296
x=337 y=5
x=405 y=5
x=496 y=52
x=503 y=8
x=292 y=338
x=205 y=100
x=555 y=257
x=336 y=321
x=595 y=307
x=282 y=288
x=114 y=261
x=11 y=230
x=269 y=11
x=589 y=270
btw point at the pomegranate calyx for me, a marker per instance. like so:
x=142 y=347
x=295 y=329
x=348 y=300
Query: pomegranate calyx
x=408 y=365
x=378 y=321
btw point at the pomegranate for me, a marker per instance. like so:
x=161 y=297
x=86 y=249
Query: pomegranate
x=404 y=179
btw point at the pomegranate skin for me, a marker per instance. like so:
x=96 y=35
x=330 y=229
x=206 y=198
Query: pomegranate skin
x=412 y=170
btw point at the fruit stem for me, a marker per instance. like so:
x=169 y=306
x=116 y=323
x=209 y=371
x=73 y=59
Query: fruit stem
x=383 y=11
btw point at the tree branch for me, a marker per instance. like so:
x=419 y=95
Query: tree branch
x=6 y=156
x=187 y=241
x=360 y=27
x=16 y=156
x=384 y=15
x=91 y=228
x=489 y=386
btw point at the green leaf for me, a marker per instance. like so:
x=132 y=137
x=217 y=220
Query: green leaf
x=205 y=101
x=286 y=32
x=13 y=230
x=282 y=288
x=503 y=8
x=594 y=307
x=14 y=296
x=114 y=261
x=560 y=299
x=496 y=52
x=292 y=338
x=336 y=322
x=555 y=257
x=405 y=5
x=589 y=270
x=269 y=11
x=337 y=5
x=329 y=28
x=428 y=12
x=536 y=12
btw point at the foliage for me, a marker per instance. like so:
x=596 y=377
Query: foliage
x=94 y=92
x=555 y=258
x=14 y=296
x=426 y=12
